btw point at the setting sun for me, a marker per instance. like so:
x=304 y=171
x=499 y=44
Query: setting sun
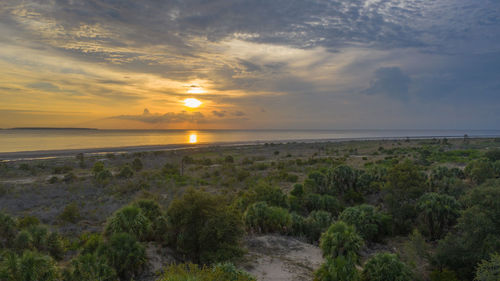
x=192 y=102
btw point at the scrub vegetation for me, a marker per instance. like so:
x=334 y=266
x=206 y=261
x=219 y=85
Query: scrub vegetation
x=392 y=210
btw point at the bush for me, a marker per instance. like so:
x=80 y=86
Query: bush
x=480 y=170
x=29 y=266
x=437 y=213
x=131 y=220
x=341 y=179
x=261 y=218
x=316 y=223
x=488 y=270
x=370 y=223
x=27 y=221
x=126 y=172
x=386 y=267
x=71 y=213
x=220 y=272
x=341 y=239
x=90 y=267
x=154 y=213
x=8 y=230
x=203 y=228
x=137 y=164
x=443 y=275
x=23 y=241
x=337 y=269
x=316 y=202
x=124 y=254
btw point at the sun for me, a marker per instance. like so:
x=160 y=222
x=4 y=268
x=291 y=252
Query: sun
x=192 y=102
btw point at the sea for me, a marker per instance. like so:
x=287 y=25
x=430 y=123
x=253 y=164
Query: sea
x=43 y=139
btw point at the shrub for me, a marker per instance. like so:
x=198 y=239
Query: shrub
x=229 y=159
x=124 y=254
x=8 y=230
x=341 y=179
x=54 y=246
x=341 y=239
x=203 y=228
x=437 y=213
x=91 y=267
x=137 y=164
x=126 y=172
x=370 y=223
x=316 y=223
x=316 y=202
x=386 y=267
x=443 y=275
x=261 y=218
x=488 y=270
x=337 y=269
x=103 y=177
x=220 y=272
x=154 y=213
x=480 y=170
x=131 y=220
x=23 y=241
x=27 y=221
x=29 y=266
x=71 y=213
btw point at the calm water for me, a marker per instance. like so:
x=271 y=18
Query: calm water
x=48 y=139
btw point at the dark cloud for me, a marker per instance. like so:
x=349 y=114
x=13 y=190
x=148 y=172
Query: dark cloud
x=224 y=113
x=389 y=81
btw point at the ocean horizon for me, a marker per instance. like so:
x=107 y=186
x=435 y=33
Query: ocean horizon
x=41 y=139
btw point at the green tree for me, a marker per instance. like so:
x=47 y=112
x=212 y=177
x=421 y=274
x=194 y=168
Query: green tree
x=125 y=254
x=204 y=228
x=129 y=219
x=437 y=213
x=342 y=179
x=386 y=267
x=341 y=239
x=30 y=266
x=337 y=269
x=370 y=223
x=91 y=267
x=489 y=270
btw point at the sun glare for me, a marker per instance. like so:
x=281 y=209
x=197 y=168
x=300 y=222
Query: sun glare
x=191 y=102
x=195 y=90
x=193 y=138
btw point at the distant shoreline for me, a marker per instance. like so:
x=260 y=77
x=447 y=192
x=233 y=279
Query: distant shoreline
x=49 y=154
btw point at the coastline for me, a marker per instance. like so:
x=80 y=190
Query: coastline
x=64 y=153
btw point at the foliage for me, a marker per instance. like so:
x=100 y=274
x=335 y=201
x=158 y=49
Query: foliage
x=27 y=221
x=386 y=267
x=489 y=270
x=405 y=184
x=341 y=239
x=437 y=213
x=261 y=218
x=71 y=213
x=337 y=269
x=126 y=172
x=480 y=170
x=129 y=219
x=137 y=164
x=314 y=202
x=203 y=228
x=125 y=254
x=193 y=272
x=28 y=266
x=90 y=267
x=154 y=213
x=316 y=223
x=341 y=179
x=443 y=275
x=7 y=230
x=370 y=223
x=493 y=155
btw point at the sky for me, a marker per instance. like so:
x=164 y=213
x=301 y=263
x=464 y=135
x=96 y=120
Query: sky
x=259 y=64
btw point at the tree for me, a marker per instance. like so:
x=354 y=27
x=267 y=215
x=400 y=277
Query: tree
x=129 y=219
x=316 y=223
x=91 y=267
x=29 y=266
x=125 y=254
x=489 y=270
x=341 y=179
x=341 y=239
x=405 y=184
x=370 y=223
x=437 y=213
x=386 y=267
x=204 y=228
x=337 y=269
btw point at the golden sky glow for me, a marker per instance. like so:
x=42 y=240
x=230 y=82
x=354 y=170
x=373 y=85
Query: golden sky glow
x=192 y=103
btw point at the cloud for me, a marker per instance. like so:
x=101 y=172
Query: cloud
x=224 y=113
x=169 y=117
x=389 y=81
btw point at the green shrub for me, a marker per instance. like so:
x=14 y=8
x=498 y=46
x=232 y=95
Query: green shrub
x=154 y=213
x=192 y=272
x=29 y=266
x=131 y=220
x=337 y=269
x=125 y=254
x=23 y=241
x=443 y=275
x=316 y=202
x=90 y=267
x=488 y=270
x=316 y=223
x=137 y=164
x=341 y=239
x=203 y=228
x=386 y=267
x=261 y=218
x=27 y=221
x=341 y=180
x=126 y=172
x=480 y=170
x=370 y=223
x=103 y=177
x=71 y=213
x=437 y=213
